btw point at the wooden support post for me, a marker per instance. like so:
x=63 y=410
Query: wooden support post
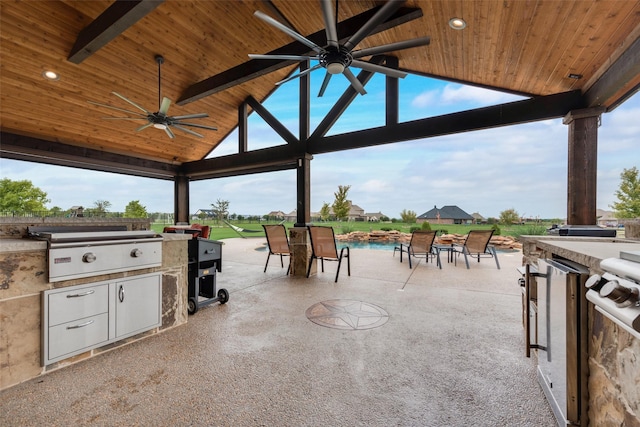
x=582 y=165
x=181 y=199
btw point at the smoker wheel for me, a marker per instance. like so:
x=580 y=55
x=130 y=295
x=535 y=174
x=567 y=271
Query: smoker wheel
x=223 y=295
x=192 y=305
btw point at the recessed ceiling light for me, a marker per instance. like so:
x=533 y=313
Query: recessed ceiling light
x=159 y=126
x=457 y=23
x=575 y=76
x=50 y=75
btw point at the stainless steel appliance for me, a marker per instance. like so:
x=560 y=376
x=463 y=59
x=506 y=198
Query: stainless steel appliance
x=77 y=252
x=205 y=258
x=562 y=339
x=77 y=318
x=582 y=230
x=616 y=294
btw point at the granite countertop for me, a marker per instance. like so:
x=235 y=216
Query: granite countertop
x=587 y=251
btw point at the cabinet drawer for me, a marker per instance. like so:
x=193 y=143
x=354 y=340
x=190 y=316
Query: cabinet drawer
x=72 y=337
x=78 y=303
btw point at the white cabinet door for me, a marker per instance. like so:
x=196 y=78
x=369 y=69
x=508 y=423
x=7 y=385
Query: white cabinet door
x=137 y=305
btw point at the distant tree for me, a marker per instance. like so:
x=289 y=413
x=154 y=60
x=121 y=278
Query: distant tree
x=384 y=218
x=325 y=211
x=408 y=216
x=628 y=204
x=509 y=216
x=202 y=215
x=135 y=210
x=341 y=205
x=220 y=209
x=21 y=196
x=55 y=211
x=101 y=206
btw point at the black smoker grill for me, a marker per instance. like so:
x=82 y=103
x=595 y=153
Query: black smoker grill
x=205 y=258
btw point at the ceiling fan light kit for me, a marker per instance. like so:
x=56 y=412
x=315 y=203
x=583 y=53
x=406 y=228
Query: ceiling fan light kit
x=337 y=58
x=159 y=119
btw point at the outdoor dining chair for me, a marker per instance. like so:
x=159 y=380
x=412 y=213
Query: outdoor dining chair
x=420 y=245
x=476 y=245
x=277 y=244
x=323 y=247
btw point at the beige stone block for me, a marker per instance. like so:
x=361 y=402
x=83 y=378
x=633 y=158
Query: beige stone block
x=19 y=340
x=22 y=273
x=300 y=252
x=175 y=253
x=174 y=298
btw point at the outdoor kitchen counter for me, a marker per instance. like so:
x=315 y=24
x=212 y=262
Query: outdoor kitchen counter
x=586 y=251
x=614 y=367
x=23 y=279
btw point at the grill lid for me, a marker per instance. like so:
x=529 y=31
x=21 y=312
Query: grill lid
x=87 y=234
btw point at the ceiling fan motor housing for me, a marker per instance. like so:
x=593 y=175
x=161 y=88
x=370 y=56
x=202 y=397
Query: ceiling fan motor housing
x=335 y=60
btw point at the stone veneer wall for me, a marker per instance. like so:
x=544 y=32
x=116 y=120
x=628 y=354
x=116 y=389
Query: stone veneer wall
x=23 y=277
x=614 y=383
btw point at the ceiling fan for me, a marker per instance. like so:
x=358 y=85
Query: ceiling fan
x=336 y=58
x=159 y=119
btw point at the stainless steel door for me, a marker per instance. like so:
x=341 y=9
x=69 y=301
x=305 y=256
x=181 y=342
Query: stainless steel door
x=561 y=339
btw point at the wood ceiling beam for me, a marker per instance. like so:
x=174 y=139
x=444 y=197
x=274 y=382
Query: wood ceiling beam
x=110 y=24
x=259 y=67
x=275 y=124
x=270 y=159
x=19 y=147
x=530 y=110
x=623 y=73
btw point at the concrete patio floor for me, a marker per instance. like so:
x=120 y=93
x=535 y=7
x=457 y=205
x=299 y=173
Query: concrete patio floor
x=451 y=353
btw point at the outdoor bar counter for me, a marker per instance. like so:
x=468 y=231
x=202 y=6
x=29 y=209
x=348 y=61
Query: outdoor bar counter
x=24 y=279
x=613 y=354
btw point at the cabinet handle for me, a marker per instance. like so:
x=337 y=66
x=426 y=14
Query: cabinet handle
x=84 y=294
x=82 y=325
x=121 y=294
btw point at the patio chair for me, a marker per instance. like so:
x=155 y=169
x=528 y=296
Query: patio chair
x=420 y=245
x=323 y=246
x=476 y=245
x=277 y=244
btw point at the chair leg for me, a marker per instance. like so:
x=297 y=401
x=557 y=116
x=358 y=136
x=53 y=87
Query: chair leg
x=310 y=263
x=495 y=255
x=409 y=256
x=338 y=271
x=281 y=261
x=438 y=262
x=267 y=263
x=466 y=260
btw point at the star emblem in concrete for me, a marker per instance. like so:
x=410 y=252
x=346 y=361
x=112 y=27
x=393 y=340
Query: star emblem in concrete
x=347 y=314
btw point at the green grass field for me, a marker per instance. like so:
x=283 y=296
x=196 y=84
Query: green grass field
x=221 y=231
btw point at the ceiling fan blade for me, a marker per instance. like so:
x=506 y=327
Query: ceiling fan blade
x=407 y=44
x=168 y=131
x=118 y=109
x=188 y=131
x=144 y=127
x=374 y=68
x=330 y=23
x=300 y=74
x=124 y=118
x=389 y=8
x=131 y=102
x=189 y=116
x=354 y=81
x=325 y=83
x=284 y=57
x=164 y=107
x=195 y=125
x=269 y=20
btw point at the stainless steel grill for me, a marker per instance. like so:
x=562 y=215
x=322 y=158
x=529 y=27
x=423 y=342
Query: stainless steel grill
x=78 y=252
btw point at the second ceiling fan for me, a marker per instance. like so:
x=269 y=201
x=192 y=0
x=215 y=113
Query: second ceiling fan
x=335 y=57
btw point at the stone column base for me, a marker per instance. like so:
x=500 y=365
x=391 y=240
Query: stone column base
x=300 y=252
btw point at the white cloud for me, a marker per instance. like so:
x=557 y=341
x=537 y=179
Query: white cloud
x=454 y=94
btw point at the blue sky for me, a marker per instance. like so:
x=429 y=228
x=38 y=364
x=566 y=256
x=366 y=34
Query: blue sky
x=522 y=167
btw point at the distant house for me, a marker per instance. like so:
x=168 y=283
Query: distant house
x=76 y=211
x=204 y=213
x=478 y=219
x=276 y=215
x=375 y=216
x=445 y=215
x=606 y=218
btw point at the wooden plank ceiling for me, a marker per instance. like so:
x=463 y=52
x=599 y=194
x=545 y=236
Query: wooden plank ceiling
x=528 y=47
